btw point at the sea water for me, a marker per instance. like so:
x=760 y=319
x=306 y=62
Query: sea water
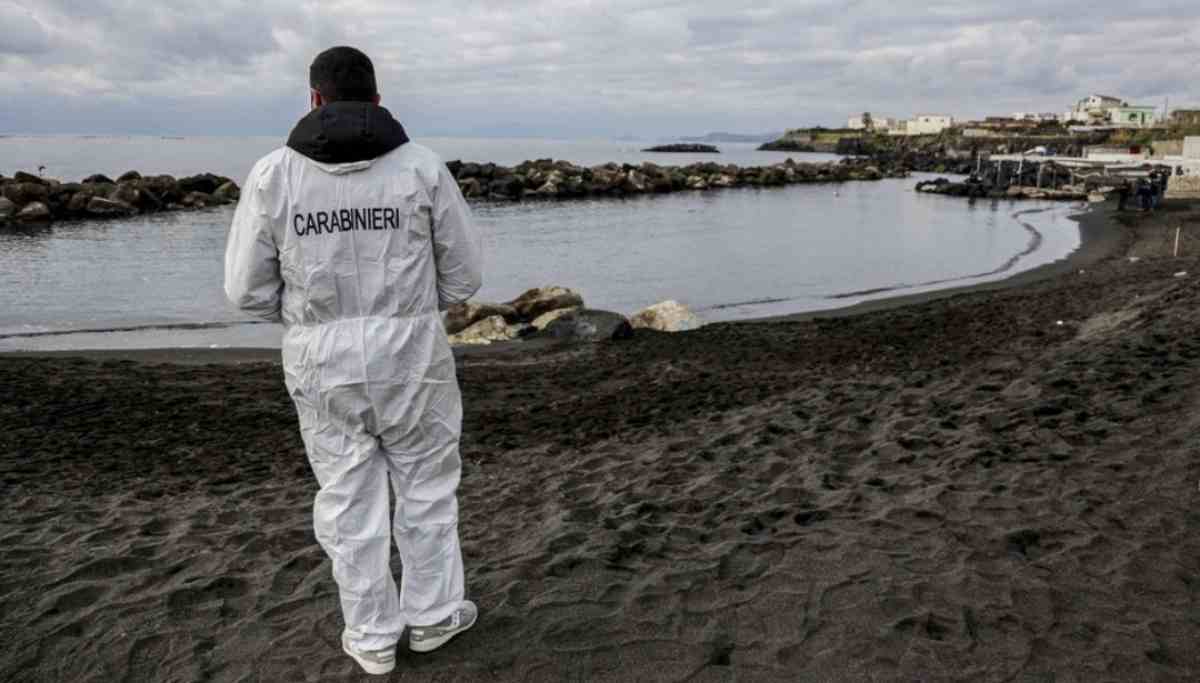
x=155 y=281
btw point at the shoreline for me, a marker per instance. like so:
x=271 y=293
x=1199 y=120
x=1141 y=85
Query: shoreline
x=1101 y=238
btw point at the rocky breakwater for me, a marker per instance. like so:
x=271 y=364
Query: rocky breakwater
x=550 y=179
x=558 y=313
x=28 y=199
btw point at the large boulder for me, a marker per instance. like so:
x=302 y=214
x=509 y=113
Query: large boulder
x=634 y=182
x=26 y=193
x=99 y=179
x=128 y=176
x=23 y=177
x=470 y=187
x=666 y=316
x=78 y=202
x=165 y=187
x=535 y=302
x=461 y=316
x=227 y=193
x=7 y=209
x=544 y=320
x=34 y=212
x=589 y=325
x=206 y=183
x=507 y=187
x=126 y=193
x=101 y=207
x=486 y=331
x=196 y=200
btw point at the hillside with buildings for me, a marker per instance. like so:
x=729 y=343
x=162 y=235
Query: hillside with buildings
x=1096 y=124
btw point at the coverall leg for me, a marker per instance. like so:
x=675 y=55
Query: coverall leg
x=351 y=520
x=425 y=470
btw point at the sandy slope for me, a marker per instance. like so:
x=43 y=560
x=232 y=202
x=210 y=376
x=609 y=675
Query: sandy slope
x=960 y=489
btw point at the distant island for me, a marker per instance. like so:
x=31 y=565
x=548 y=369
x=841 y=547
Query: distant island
x=733 y=137
x=685 y=147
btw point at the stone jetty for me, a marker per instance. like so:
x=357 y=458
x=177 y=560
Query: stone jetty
x=26 y=198
x=550 y=179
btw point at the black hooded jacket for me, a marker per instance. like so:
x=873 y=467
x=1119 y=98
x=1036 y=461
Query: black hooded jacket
x=343 y=132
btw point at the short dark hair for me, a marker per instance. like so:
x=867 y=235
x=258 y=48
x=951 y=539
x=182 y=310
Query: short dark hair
x=343 y=73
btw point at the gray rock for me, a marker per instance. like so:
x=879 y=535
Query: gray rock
x=78 y=202
x=99 y=178
x=589 y=325
x=461 y=316
x=227 y=193
x=470 y=187
x=543 y=320
x=23 y=177
x=667 y=316
x=486 y=331
x=206 y=183
x=7 y=209
x=511 y=187
x=126 y=193
x=197 y=200
x=129 y=175
x=34 y=212
x=535 y=302
x=100 y=207
x=24 y=193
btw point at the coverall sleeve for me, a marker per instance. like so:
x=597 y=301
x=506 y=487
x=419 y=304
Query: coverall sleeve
x=252 y=279
x=457 y=243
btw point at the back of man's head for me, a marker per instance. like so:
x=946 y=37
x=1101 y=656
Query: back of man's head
x=343 y=74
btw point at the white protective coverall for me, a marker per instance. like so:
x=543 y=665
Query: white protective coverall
x=355 y=239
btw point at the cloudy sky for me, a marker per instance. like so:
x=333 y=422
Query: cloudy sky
x=583 y=68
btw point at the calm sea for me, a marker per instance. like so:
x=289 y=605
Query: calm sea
x=728 y=254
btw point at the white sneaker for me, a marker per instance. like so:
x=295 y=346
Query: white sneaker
x=374 y=662
x=430 y=638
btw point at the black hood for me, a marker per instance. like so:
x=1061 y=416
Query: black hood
x=342 y=132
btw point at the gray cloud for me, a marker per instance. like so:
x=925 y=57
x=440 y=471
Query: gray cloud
x=575 y=67
x=20 y=32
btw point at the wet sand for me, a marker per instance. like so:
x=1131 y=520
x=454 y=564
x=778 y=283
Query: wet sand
x=991 y=485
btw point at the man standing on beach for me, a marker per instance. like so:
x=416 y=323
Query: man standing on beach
x=355 y=239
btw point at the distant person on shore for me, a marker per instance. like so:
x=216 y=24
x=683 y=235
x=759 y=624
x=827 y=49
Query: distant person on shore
x=355 y=239
x=1143 y=194
x=1159 y=186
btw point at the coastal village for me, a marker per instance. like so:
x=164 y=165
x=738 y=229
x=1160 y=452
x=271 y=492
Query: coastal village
x=1092 y=113
x=1100 y=145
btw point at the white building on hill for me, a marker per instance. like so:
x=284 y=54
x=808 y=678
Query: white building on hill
x=1105 y=111
x=879 y=123
x=928 y=124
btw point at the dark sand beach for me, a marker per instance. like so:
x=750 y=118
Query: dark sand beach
x=998 y=485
